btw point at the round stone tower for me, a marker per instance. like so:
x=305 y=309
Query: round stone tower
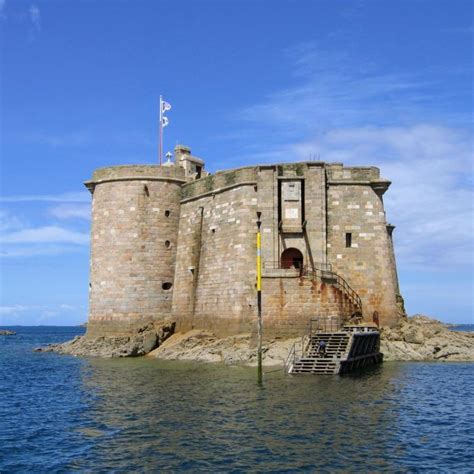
x=135 y=217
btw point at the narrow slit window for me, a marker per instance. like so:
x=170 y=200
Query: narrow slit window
x=348 y=240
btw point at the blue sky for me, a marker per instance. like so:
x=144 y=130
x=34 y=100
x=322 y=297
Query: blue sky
x=363 y=82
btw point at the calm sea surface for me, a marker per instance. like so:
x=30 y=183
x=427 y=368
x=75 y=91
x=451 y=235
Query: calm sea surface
x=61 y=413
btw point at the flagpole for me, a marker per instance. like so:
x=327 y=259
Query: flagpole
x=160 y=144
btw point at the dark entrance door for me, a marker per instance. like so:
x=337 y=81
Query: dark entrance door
x=291 y=258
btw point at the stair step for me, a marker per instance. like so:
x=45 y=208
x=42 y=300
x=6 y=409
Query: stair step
x=330 y=371
x=314 y=363
x=313 y=367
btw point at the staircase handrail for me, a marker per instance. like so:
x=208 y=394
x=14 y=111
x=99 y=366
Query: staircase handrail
x=298 y=349
x=316 y=272
x=329 y=323
x=290 y=358
x=278 y=265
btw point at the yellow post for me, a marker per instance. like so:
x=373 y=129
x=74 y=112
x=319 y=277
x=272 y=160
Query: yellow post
x=259 y=261
x=259 y=301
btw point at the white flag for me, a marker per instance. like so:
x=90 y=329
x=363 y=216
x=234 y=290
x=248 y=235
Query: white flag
x=165 y=106
x=164 y=121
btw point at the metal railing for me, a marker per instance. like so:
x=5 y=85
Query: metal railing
x=297 y=351
x=339 y=281
x=319 y=271
x=277 y=265
x=300 y=348
x=325 y=324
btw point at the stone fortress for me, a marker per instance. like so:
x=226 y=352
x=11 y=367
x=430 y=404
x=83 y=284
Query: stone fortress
x=173 y=242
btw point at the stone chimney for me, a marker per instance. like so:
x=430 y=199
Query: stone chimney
x=193 y=166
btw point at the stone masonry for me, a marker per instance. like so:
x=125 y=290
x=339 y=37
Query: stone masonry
x=175 y=242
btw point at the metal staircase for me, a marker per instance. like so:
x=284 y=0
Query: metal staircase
x=337 y=344
x=347 y=349
x=317 y=272
x=324 y=273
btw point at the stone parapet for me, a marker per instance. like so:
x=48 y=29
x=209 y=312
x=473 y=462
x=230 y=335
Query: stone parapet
x=136 y=172
x=222 y=180
x=339 y=172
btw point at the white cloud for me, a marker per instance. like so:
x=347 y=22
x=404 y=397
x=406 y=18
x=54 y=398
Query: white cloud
x=46 y=234
x=2 y=8
x=42 y=314
x=19 y=238
x=71 y=211
x=81 y=196
x=15 y=309
x=333 y=90
x=430 y=200
x=35 y=17
x=8 y=222
x=37 y=250
x=330 y=112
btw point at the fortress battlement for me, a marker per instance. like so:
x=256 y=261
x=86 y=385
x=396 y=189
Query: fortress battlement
x=175 y=242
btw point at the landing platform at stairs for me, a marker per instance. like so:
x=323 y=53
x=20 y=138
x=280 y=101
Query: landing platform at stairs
x=346 y=350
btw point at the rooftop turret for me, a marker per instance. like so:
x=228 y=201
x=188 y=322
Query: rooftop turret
x=193 y=166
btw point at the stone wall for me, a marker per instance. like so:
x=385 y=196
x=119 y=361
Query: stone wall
x=289 y=303
x=219 y=182
x=215 y=268
x=163 y=246
x=359 y=246
x=135 y=216
x=278 y=233
x=315 y=214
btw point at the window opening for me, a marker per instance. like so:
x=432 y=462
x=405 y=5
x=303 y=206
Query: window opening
x=348 y=240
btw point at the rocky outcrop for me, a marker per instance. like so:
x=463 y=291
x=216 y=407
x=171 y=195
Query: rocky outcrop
x=423 y=338
x=416 y=338
x=6 y=332
x=144 y=340
x=203 y=346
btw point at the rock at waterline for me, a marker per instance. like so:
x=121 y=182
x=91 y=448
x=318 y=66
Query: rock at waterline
x=6 y=332
x=416 y=338
x=204 y=346
x=423 y=338
x=142 y=341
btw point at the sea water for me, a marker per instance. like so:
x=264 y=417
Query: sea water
x=61 y=413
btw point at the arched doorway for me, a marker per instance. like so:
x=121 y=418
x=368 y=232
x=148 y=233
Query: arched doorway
x=291 y=258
